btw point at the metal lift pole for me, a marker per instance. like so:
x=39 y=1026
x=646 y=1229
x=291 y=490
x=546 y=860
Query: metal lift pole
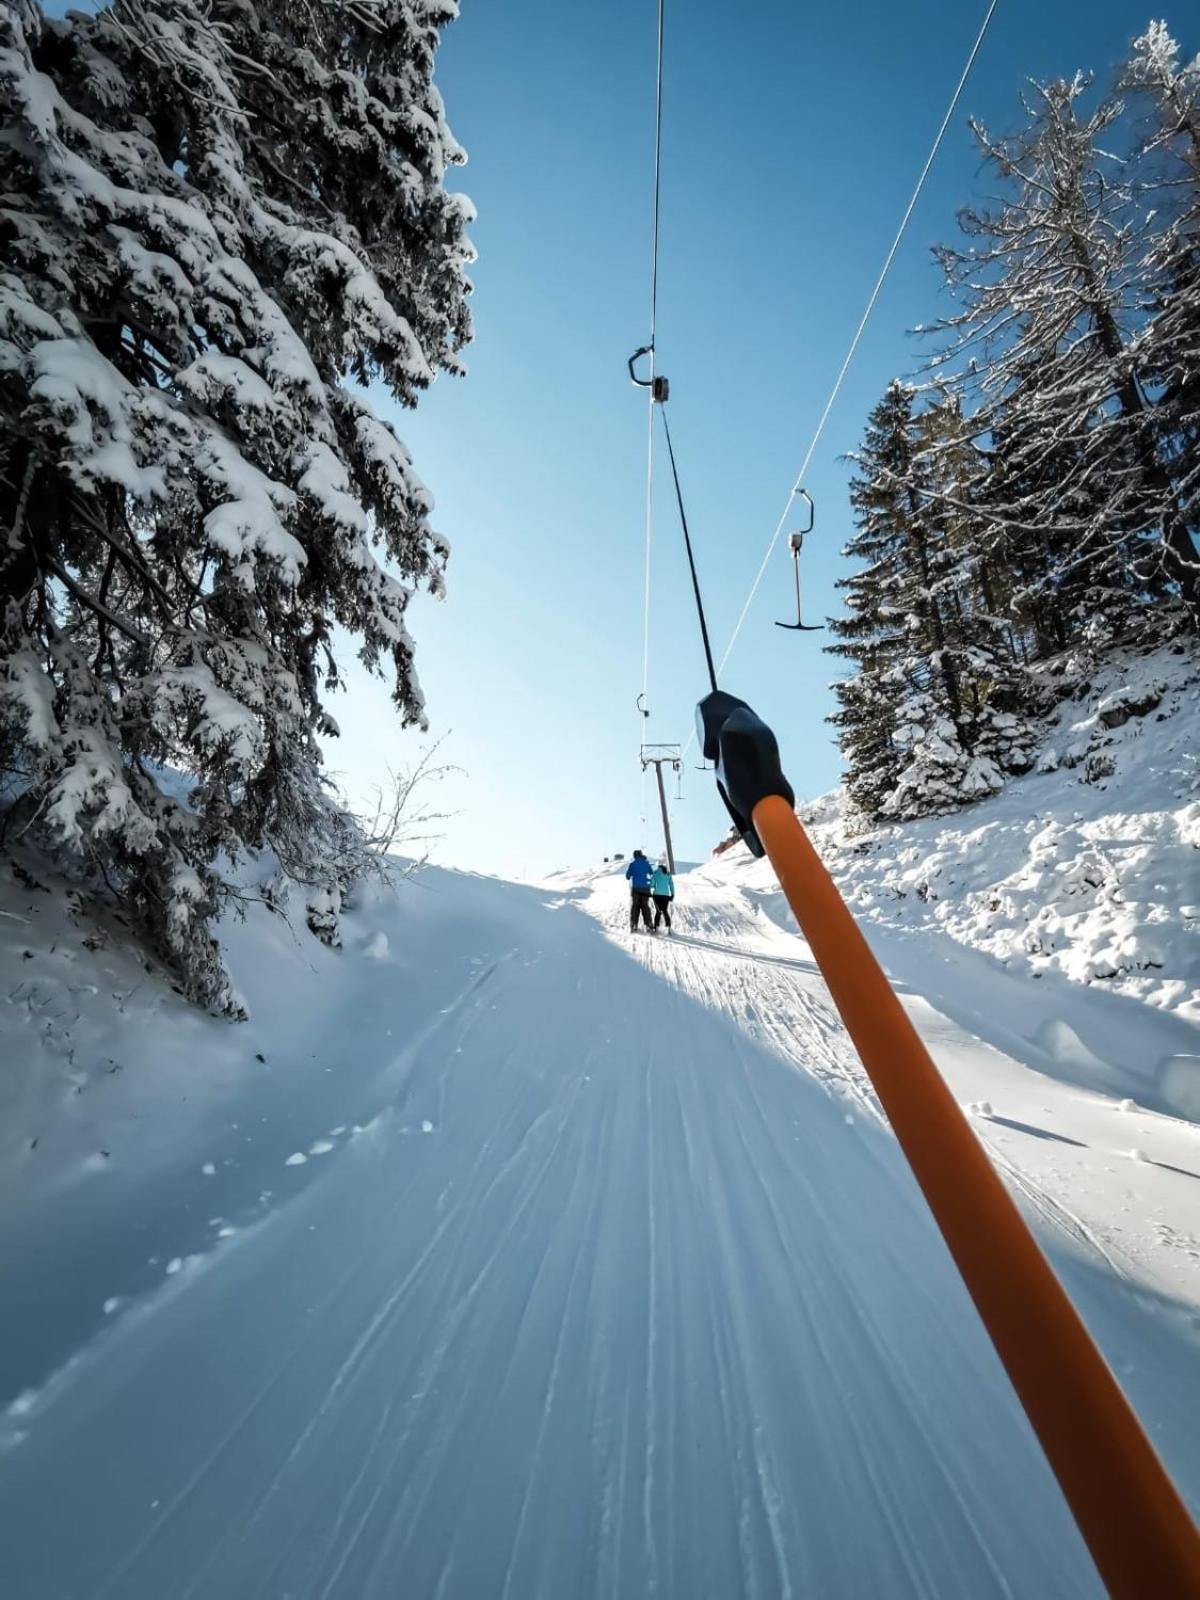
x=666 y=821
x=659 y=756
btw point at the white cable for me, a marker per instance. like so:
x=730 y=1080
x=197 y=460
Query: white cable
x=643 y=704
x=854 y=343
x=658 y=119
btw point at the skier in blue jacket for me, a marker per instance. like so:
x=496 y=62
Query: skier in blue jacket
x=662 y=888
x=639 y=872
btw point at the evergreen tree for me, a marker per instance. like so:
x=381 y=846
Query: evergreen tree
x=871 y=634
x=1169 y=348
x=1051 y=283
x=1043 y=500
x=1030 y=573
x=220 y=221
x=934 y=715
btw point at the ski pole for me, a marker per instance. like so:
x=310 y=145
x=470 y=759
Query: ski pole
x=1130 y=1514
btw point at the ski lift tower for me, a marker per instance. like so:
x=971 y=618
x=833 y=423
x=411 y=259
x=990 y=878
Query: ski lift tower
x=659 y=756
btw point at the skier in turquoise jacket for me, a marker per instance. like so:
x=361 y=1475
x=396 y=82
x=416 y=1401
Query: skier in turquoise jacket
x=662 y=887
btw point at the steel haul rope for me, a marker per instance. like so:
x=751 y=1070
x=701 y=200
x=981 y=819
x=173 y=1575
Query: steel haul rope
x=649 y=349
x=687 y=539
x=862 y=325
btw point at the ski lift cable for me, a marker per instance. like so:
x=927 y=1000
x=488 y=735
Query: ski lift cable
x=658 y=122
x=643 y=699
x=860 y=330
x=649 y=350
x=687 y=539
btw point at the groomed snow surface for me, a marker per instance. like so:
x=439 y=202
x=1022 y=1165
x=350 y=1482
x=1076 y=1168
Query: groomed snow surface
x=504 y=1254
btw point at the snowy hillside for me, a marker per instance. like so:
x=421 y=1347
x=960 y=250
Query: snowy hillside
x=510 y=1253
x=1083 y=875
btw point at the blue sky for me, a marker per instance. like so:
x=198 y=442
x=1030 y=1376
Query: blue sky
x=793 y=135
x=792 y=139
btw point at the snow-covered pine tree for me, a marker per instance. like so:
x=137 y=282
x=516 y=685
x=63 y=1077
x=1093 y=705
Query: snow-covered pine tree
x=974 y=586
x=934 y=715
x=871 y=635
x=1051 y=282
x=1169 y=345
x=1028 y=573
x=220 y=220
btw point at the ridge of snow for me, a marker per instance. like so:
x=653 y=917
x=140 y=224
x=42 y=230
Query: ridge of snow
x=1086 y=869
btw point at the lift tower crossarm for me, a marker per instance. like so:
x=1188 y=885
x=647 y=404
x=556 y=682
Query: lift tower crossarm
x=659 y=756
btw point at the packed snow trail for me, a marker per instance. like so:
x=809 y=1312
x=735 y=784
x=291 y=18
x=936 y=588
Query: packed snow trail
x=528 y=1265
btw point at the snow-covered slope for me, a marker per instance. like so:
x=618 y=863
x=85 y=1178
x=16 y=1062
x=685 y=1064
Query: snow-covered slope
x=502 y=1253
x=1082 y=876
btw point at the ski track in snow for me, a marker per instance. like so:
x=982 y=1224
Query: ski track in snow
x=647 y=1314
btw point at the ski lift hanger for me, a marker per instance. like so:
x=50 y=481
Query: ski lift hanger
x=660 y=389
x=796 y=544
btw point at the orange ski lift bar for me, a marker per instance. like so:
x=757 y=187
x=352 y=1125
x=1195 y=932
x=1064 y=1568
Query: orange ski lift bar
x=795 y=545
x=1137 y=1528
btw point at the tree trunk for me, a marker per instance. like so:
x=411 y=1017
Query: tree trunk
x=1181 y=560
x=946 y=671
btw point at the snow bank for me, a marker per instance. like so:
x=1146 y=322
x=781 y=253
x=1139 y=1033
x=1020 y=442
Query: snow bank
x=1087 y=869
x=100 y=1053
